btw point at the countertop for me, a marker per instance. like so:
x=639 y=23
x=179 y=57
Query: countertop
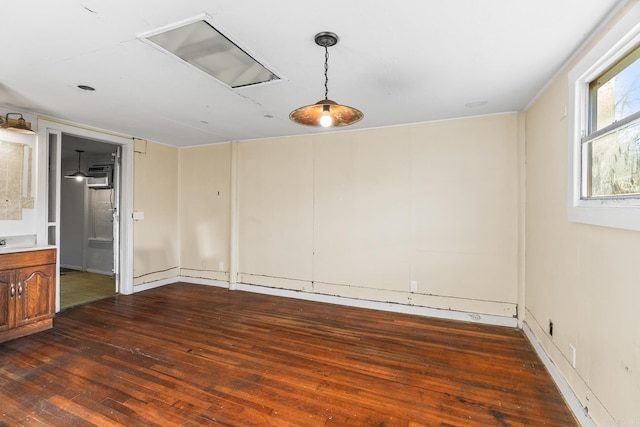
x=18 y=248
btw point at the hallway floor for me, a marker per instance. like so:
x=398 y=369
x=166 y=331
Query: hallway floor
x=80 y=287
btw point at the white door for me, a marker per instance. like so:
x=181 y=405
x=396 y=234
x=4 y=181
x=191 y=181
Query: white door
x=54 y=150
x=116 y=218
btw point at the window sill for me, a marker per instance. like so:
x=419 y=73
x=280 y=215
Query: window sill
x=625 y=218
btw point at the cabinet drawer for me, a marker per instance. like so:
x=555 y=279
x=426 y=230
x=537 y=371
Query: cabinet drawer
x=27 y=259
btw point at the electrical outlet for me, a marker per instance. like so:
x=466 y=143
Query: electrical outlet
x=204 y=265
x=414 y=286
x=572 y=355
x=221 y=266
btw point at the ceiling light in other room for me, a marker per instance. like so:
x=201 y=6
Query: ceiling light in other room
x=204 y=47
x=78 y=175
x=326 y=113
x=16 y=125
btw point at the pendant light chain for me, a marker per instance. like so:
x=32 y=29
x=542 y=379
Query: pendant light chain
x=326 y=72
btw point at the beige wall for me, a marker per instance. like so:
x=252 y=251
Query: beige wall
x=275 y=188
x=156 y=194
x=585 y=279
x=204 y=208
x=362 y=213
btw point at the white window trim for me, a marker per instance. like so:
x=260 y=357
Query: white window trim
x=616 y=213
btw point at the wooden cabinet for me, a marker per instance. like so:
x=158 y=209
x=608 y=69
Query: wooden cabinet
x=27 y=292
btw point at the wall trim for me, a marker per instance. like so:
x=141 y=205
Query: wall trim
x=102 y=272
x=155 y=284
x=510 y=322
x=565 y=389
x=201 y=281
x=384 y=306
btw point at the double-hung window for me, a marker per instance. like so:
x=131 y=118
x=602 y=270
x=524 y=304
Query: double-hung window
x=604 y=130
x=611 y=144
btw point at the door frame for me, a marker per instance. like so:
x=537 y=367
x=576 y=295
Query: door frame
x=48 y=126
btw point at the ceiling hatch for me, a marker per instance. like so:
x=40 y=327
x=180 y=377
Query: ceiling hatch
x=206 y=48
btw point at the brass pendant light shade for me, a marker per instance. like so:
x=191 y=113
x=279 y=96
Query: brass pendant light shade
x=326 y=113
x=340 y=115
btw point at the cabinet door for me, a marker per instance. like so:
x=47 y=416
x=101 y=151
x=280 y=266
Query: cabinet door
x=7 y=314
x=34 y=298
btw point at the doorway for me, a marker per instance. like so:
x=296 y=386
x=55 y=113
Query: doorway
x=88 y=208
x=48 y=210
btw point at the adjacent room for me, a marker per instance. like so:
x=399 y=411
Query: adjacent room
x=292 y=214
x=87 y=206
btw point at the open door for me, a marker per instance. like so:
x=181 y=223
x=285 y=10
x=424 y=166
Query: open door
x=116 y=218
x=54 y=148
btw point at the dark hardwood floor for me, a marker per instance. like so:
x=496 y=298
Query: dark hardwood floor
x=197 y=355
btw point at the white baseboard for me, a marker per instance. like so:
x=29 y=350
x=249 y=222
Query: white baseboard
x=350 y=302
x=567 y=392
x=105 y=273
x=155 y=284
x=207 y=282
x=383 y=306
x=196 y=281
x=88 y=270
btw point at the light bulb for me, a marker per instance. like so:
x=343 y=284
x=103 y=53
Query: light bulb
x=325 y=120
x=79 y=178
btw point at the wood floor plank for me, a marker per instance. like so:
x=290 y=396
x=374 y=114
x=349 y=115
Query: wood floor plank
x=196 y=355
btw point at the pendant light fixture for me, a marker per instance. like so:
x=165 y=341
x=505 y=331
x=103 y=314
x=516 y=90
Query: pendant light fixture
x=326 y=113
x=78 y=175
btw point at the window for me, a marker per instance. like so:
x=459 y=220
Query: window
x=604 y=126
x=611 y=147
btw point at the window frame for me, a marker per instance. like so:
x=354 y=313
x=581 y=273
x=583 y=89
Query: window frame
x=615 y=212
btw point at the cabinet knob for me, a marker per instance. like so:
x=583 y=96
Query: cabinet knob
x=13 y=290
x=20 y=289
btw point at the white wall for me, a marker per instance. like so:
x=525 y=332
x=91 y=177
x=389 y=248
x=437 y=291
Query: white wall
x=99 y=249
x=72 y=216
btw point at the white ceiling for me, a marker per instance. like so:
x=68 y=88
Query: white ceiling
x=400 y=61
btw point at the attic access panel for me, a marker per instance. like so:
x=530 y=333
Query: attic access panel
x=201 y=45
